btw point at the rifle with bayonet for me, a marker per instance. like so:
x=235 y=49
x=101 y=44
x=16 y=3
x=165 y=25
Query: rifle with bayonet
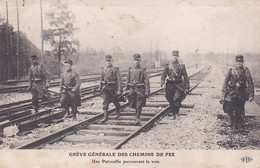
x=135 y=86
x=104 y=85
x=66 y=89
x=174 y=80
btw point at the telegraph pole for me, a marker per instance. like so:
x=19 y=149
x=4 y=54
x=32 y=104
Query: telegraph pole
x=18 y=43
x=196 y=54
x=157 y=54
x=7 y=43
x=227 y=56
x=42 y=31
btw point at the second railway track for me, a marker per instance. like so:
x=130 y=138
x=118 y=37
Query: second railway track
x=22 y=116
x=85 y=78
x=114 y=132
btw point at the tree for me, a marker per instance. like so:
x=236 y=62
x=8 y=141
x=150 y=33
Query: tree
x=61 y=34
x=8 y=52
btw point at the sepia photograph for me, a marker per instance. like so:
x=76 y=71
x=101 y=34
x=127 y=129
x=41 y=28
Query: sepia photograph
x=129 y=83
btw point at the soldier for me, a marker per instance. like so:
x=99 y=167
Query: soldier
x=39 y=82
x=110 y=86
x=238 y=87
x=138 y=86
x=70 y=89
x=177 y=84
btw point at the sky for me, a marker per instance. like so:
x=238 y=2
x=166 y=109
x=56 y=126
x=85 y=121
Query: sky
x=141 y=26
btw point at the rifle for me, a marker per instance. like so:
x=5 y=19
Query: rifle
x=174 y=80
x=28 y=90
x=96 y=90
x=122 y=97
x=119 y=97
x=66 y=88
x=135 y=86
x=223 y=100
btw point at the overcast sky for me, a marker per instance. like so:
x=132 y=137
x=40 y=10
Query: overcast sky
x=138 y=26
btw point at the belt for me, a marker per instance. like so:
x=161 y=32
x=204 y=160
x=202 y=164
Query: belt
x=174 y=80
x=136 y=85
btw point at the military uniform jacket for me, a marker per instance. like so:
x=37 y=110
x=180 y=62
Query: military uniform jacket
x=137 y=75
x=38 y=76
x=177 y=71
x=111 y=79
x=238 y=83
x=70 y=79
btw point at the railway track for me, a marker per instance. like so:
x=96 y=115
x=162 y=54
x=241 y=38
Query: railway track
x=24 y=104
x=23 y=88
x=114 y=132
x=21 y=116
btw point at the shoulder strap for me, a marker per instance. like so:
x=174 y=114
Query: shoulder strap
x=171 y=67
x=242 y=74
x=239 y=77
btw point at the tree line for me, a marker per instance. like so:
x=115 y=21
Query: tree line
x=14 y=52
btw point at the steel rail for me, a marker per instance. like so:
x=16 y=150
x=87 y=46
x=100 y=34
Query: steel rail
x=150 y=123
x=36 y=118
x=70 y=130
x=29 y=100
x=23 y=88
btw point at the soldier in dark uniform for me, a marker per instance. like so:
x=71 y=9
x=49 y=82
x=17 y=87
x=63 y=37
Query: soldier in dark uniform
x=70 y=89
x=177 y=84
x=138 y=86
x=238 y=87
x=110 y=86
x=39 y=82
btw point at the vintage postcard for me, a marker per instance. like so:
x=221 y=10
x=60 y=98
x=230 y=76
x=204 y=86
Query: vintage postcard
x=129 y=83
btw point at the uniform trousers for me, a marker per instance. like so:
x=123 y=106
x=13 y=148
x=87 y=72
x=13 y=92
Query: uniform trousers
x=69 y=99
x=235 y=108
x=39 y=92
x=137 y=98
x=174 y=96
x=110 y=96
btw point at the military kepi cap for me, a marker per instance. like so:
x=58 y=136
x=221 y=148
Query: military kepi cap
x=137 y=56
x=239 y=58
x=33 y=57
x=108 y=57
x=175 y=53
x=68 y=62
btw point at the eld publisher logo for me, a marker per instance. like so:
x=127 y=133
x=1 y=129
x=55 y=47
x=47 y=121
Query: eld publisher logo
x=246 y=159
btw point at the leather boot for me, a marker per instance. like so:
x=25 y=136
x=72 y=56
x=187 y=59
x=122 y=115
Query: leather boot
x=74 y=110
x=117 y=112
x=36 y=108
x=235 y=123
x=105 y=116
x=137 y=116
x=240 y=121
x=232 y=119
x=173 y=110
x=177 y=108
x=74 y=116
x=170 y=111
x=67 y=113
